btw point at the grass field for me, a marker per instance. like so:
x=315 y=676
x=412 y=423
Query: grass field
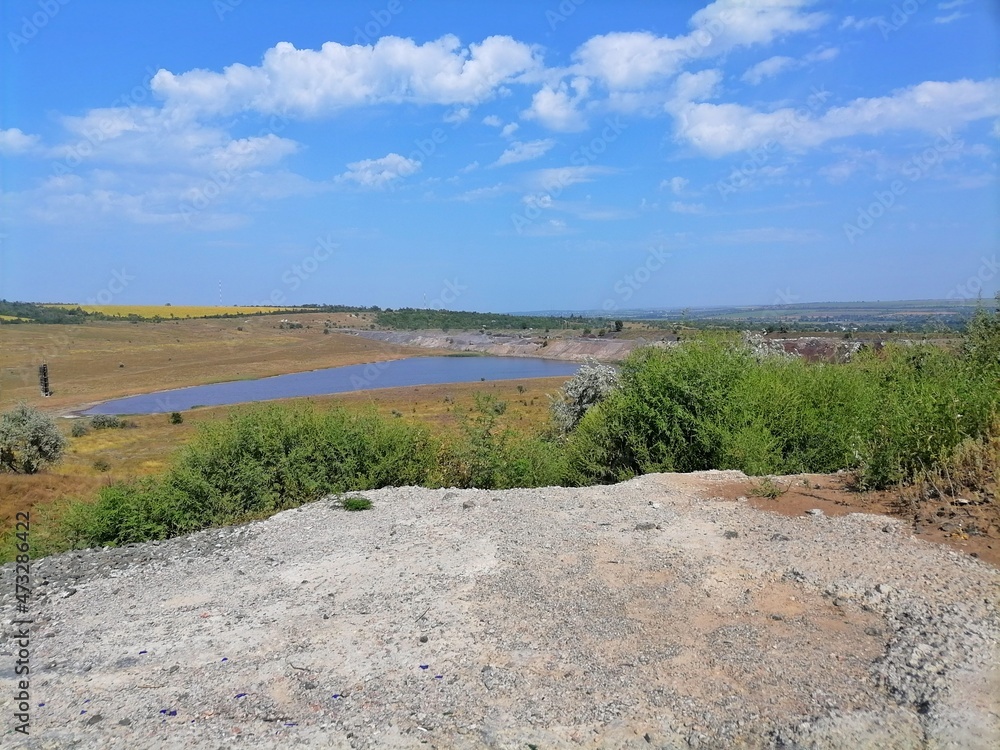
x=175 y=311
x=109 y=359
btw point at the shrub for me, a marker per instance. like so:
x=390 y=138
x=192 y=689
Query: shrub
x=712 y=405
x=29 y=440
x=356 y=503
x=79 y=429
x=591 y=385
x=176 y=417
x=111 y=422
x=490 y=455
x=259 y=461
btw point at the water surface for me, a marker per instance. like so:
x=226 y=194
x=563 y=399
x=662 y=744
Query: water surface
x=401 y=372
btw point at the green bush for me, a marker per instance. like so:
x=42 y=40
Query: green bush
x=176 y=417
x=29 y=440
x=79 y=429
x=111 y=422
x=490 y=455
x=259 y=461
x=712 y=405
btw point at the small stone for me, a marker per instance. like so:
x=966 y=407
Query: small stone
x=124 y=722
x=887 y=529
x=423 y=639
x=68 y=593
x=94 y=719
x=646 y=526
x=468 y=504
x=814 y=512
x=731 y=534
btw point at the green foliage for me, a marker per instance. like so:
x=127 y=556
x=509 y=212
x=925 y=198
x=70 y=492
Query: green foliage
x=111 y=422
x=79 y=429
x=176 y=417
x=490 y=455
x=29 y=440
x=29 y=311
x=411 y=319
x=713 y=405
x=356 y=503
x=259 y=461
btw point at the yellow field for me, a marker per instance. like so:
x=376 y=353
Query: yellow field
x=10 y=317
x=176 y=311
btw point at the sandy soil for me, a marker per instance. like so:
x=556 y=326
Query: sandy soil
x=653 y=613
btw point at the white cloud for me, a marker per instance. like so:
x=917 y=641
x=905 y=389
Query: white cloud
x=718 y=129
x=556 y=108
x=493 y=121
x=768 y=68
x=147 y=137
x=676 y=184
x=509 y=129
x=458 y=116
x=311 y=82
x=637 y=59
x=774 y=65
x=13 y=141
x=484 y=192
x=860 y=24
x=953 y=4
x=679 y=207
x=558 y=178
x=378 y=173
x=519 y=151
x=949 y=17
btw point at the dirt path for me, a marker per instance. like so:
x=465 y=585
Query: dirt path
x=647 y=614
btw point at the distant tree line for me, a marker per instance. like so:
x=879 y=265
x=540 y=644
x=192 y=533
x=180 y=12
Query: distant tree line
x=408 y=318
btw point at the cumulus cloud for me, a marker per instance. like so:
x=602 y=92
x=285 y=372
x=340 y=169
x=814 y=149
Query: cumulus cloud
x=378 y=173
x=509 y=129
x=719 y=129
x=519 y=151
x=557 y=108
x=636 y=59
x=309 y=82
x=13 y=141
x=493 y=121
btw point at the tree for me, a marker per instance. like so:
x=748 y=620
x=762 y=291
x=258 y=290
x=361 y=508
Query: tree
x=619 y=325
x=29 y=439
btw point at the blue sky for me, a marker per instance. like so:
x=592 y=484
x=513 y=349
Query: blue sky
x=501 y=156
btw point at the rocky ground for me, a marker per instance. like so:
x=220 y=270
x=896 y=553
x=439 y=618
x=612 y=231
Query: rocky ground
x=651 y=614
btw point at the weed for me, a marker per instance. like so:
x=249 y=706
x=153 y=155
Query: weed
x=768 y=488
x=356 y=503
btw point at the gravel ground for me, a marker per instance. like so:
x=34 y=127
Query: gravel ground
x=641 y=615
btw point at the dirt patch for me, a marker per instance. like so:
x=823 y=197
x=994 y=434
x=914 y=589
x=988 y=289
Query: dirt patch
x=973 y=529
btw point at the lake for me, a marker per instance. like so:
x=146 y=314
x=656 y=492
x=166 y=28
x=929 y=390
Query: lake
x=400 y=372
